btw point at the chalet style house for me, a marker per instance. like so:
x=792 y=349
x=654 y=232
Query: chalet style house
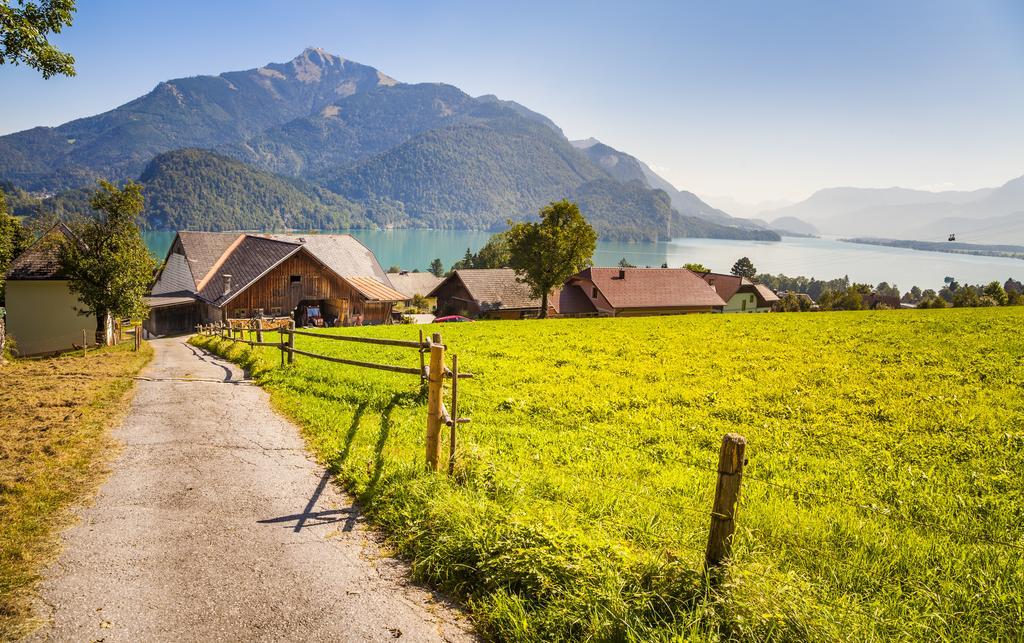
x=322 y=279
x=740 y=294
x=633 y=292
x=492 y=293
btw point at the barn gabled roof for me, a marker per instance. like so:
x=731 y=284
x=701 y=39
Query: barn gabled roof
x=41 y=260
x=247 y=261
x=203 y=249
x=411 y=284
x=493 y=288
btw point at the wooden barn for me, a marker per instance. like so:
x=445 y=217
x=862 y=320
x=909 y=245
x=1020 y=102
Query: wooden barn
x=488 y=293
x=329 y=280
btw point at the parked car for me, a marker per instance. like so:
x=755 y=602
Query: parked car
x=452 y=318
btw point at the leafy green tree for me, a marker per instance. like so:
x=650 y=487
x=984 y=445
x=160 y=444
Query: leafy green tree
x=744 y=267
x=850 y=299
x=546 y=253
x=696 y=267
x=109 y=267
x=624 y=263
x=394 y=270
x=494 y=254
x=14 y=239
x=436 y=268
x=790 y=303
x=965 y=297
x=23 y=35
x=995 y=290
x=915 y=293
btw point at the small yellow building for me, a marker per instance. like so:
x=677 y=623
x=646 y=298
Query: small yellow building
x=42 y=313
x=740 y=294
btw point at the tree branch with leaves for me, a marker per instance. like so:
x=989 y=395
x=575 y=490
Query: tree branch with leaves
x=108 y=265
x=24 y=31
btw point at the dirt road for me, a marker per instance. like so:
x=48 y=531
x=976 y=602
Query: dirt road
x=215 y=524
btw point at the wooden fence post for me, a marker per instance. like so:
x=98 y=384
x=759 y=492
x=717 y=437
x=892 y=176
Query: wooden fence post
x=280 y=335
x=85 y=342
x=454 y=414
x=435 y=390
x=291 y=344
x=727 y=492
x=259 y=330
x=423 y=362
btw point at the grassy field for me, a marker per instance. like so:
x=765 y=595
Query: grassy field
x=54 y=445
x=882 y=498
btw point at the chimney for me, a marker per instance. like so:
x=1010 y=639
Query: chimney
x=622 y=273
x=227 y=284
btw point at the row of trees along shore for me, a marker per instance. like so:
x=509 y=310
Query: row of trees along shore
x=831 y=294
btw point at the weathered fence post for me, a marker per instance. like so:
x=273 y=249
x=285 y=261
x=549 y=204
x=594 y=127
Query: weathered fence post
x=435 y=391
x=85 y=342
x=291 y=343
x=727 y=492
x=280 y=335
x=423 y=362
x=454 y=414
x=259 y=330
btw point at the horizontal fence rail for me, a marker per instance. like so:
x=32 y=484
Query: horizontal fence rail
x=437 y=412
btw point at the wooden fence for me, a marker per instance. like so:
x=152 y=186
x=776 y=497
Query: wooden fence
x=432 y=375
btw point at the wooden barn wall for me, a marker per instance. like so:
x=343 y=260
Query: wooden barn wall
x=454 y=299
x=275 y=293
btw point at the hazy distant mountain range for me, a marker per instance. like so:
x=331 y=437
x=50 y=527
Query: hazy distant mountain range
x=323 y=142
x=986 y=216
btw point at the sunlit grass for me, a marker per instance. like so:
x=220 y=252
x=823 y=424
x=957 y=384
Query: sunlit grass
x=882 y=498
x=55 y=415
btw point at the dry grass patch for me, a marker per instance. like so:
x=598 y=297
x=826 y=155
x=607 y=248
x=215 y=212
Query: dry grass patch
x=55 y=416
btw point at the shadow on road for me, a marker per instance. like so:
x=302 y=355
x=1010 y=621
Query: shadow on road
x=310 y=518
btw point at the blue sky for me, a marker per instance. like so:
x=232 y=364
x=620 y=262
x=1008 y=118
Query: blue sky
x=754 y=100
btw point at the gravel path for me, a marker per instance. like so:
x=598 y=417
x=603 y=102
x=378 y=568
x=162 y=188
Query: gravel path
x=215 y=524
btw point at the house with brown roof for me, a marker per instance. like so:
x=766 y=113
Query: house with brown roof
x=322 y=278
x=42 y=312
x=741 y=295
x=631 y=292
x=412 y=284
x=491 y=293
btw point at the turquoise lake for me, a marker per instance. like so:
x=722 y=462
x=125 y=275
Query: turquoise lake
x=822 y=258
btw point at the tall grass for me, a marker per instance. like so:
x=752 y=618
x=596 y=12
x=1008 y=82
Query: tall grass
x=882 y=498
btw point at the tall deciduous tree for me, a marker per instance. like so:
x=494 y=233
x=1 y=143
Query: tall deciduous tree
x=744 y=267
x=24 y=29
x=545 y=254
x=695 y=267
x=14 y=238
x=109 y=267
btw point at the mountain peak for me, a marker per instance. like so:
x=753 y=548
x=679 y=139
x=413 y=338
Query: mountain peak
x=317 y=56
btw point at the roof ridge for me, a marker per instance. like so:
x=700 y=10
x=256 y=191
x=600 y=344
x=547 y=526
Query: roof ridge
x=220 y=261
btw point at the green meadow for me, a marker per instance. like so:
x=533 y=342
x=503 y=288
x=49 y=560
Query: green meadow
x=882 y=498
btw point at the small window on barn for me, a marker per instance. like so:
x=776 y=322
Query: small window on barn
x=240 y=313
x=593 y=293
x=295 y=279
x=275 y=312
